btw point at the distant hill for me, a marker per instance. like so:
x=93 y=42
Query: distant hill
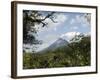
x=57 y=44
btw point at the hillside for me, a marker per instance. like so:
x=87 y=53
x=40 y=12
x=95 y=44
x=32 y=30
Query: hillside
x=59 y=43
x=60 y=54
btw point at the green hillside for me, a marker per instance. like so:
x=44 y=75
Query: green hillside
x=76 y=53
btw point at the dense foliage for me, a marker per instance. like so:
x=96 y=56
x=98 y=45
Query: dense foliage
x=76 y=53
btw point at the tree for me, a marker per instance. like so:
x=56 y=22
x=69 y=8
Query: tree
x=30 y=19
x=81 y=50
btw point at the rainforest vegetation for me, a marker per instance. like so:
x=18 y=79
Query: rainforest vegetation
x=74 y=54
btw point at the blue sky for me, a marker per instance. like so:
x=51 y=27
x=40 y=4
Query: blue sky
x=68 y=25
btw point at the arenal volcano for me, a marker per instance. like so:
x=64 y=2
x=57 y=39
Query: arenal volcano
x=57 y=44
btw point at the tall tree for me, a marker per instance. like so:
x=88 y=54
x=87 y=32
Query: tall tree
x=30 y=19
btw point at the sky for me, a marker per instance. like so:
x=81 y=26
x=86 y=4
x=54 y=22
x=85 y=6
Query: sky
x=68 y=24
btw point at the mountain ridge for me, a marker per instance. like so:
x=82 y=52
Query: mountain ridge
x=60 y=42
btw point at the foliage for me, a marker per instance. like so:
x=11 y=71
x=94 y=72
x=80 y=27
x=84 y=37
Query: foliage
x=30 y=19
x=76 y=53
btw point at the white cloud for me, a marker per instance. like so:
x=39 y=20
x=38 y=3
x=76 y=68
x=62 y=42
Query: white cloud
x=87 y=34
x=60 y=18
x=79 y=19
x=82 y=19
x=50 y=37
x=88 y=18
x=39 y=27
x=69 y=35
x=29 y=48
